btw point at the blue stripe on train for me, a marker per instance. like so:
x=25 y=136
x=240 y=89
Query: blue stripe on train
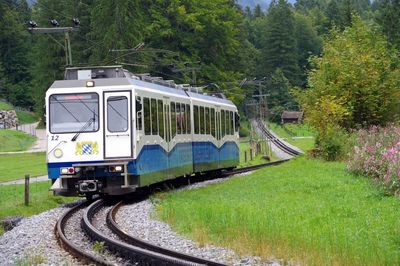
x=154 y=158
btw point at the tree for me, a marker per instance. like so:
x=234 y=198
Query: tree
x=355 y=82
x=14 y=51
x=308 y=43
x=388 y=17
x=280 y=48
x=117 y=25
x=258 y=11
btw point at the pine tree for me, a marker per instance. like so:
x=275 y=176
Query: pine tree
x=116 y=25
x=280 y=48
x=388 y=17
x=14 y=48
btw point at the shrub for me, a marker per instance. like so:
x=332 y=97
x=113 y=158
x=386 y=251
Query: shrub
x=376 y=154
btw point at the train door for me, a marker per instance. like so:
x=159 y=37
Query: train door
x=117 y=124
x=167 y=135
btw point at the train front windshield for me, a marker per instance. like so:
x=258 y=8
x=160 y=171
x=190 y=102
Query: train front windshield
x=77 y=112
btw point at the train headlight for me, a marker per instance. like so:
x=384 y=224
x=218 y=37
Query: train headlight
x=116 y=168
x=58 y=153
x=90 y=83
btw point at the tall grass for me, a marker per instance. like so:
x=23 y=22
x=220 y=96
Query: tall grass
x=306 y=211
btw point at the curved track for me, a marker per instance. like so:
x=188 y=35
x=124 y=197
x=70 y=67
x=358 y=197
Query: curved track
x=68 y=244
x=128 y=247
x=278 y=143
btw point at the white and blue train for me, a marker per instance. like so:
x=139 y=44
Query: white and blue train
x=110 y=132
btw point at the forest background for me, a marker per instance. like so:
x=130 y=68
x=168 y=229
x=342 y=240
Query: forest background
x=216 y=44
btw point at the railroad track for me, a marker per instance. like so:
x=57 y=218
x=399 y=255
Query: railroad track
x=131 y=249
x=69 y=245
x=278 y=143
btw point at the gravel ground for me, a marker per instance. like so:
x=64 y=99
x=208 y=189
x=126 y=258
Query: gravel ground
x=137 y=220
x=33 y=242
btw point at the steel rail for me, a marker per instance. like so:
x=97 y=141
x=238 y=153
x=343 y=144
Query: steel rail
x=134 y=253
x=277 y=141
x=252 y=167
x=113 y=225
x=68 y=245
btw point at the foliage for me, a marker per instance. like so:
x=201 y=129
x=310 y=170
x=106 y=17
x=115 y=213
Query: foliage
x=11 y=167
x=387 y=15
x=355 y=83
x=14 y=46
x=376 y=154
x=12 y=140
x=308 y=212
x=279 y=48
x=98 y=246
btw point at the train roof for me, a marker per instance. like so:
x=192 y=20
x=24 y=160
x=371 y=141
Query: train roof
x=117 y=76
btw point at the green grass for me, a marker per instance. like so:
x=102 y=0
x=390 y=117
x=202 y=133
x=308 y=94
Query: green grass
x=299 y=130
x=244 y=146
x=5 y=106
x=305 y=211
x=26 y=117
x=15 y=166
x=11 y=140
x=12 y=200
x=23 y=116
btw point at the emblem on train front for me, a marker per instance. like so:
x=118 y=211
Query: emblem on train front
x=87 y=148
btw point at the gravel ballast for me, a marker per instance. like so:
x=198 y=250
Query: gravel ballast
x=138 y=220
x=33 y=240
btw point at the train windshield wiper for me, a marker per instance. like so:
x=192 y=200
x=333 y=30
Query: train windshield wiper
x=84 y=127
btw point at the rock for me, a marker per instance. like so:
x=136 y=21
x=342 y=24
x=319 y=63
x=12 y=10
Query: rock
x=9 y=223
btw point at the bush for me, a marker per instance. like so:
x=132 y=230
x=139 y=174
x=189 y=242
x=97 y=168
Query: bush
x=376 y=154
x=332 y=144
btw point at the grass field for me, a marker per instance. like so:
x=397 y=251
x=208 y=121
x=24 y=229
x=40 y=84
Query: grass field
x=15 y=166
x=12 y=200
x=305 y=211
x=23 y=116
x=11 y=140
x=244 y=146
x=298 y=130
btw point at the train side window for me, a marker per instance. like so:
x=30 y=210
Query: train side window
x=178 y=119
x=196 y=120
x=202 y=129
x=173 y=120
x=146 y=114
x=207 y=110
x=183 y=118
x=139 y=113
x=154 y=124
x=231 y=122
x=222 y=123
x=188 y=125
x=213 y=122
x=227 y=124
x=218 y=125
x=237 y=122
x=160 y=119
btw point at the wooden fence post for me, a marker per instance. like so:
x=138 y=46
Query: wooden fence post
x=26 y=190
x=251 y=155
x=245 y=156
